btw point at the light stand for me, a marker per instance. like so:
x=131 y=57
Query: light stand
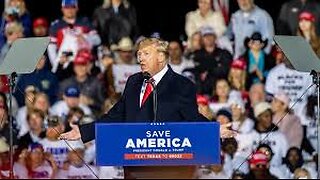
x=316 y=81
x=12 y=83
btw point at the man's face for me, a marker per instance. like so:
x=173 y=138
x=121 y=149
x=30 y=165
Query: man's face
x=126 y=56
x=245 y=5
x=209 y=40
x=175 y=50
x=35 y=121
x=255 y=45
x=204 y=5
x=40 y=31
x=81 y=70
x=265 y=119
x=69 y=12
x=293 y=157
x=150 y=59
x=72 y=101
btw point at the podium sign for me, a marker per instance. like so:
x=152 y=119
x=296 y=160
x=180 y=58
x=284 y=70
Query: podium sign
x=145 y=144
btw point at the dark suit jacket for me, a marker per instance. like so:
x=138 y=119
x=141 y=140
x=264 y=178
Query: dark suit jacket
x=176 y=103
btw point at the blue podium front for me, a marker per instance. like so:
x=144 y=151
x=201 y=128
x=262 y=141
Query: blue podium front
x=145 y=144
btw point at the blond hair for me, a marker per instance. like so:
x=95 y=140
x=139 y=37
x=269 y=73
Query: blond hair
x=160 y=45
x=13 y=27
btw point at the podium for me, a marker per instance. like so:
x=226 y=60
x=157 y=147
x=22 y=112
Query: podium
x=158 y=150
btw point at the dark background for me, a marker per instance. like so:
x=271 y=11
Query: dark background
x=164 y=16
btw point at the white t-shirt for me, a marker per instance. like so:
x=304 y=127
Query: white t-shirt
x=290 y=81
x=78 y=173
x=247 y=143
x=59 y=150
x=185 y=63
x=61 y=109
x=215 y=107
x=121 y=72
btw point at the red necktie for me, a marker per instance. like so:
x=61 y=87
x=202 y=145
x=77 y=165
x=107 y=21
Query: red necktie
x=147 y=92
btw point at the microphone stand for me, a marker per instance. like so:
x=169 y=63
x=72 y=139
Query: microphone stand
x=155 y=101
x=148 y=78
x=316 y=81
x=12 y=80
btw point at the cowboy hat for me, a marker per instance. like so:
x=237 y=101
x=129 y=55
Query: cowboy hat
x=256 y=36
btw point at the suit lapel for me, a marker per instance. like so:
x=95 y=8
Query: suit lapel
x=136 y=92
x=164 y=82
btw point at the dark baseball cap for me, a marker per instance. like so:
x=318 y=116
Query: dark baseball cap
x=72 y=91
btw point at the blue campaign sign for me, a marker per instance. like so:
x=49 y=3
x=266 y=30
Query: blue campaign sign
x=143 y=144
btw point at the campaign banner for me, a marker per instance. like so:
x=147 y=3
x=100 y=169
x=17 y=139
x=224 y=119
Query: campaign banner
x=148 y=144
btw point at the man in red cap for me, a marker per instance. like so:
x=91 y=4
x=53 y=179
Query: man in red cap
x=259 y=166
x=69 y=34
x=92 y=91
x=40 y=27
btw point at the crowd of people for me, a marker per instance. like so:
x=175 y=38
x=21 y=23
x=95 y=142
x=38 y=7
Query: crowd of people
x=241 y=76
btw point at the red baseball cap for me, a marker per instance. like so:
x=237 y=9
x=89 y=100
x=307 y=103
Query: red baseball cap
x=239 y=64
x=201 y=99
x=83 y=57
x=307 y=16
x=80 y=60
x=40 y=21
x=258 y=158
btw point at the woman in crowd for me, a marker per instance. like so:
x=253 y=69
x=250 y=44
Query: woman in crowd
x=288 y=123
x=222 y=95
x=307 y=29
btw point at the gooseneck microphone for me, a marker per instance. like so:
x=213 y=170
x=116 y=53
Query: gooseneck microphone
x=149 y=79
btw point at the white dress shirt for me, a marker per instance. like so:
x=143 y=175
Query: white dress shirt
x=157 y=77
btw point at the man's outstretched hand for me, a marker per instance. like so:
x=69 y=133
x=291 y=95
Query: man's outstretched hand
x=72 y=135
x=225 y=131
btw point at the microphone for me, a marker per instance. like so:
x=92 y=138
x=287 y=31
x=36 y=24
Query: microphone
x=148 y=78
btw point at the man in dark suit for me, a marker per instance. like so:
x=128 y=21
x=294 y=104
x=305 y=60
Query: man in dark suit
x=176 y=95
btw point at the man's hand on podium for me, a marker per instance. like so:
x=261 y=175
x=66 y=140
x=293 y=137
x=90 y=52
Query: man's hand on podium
x=226 y=131
x=72 y=135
